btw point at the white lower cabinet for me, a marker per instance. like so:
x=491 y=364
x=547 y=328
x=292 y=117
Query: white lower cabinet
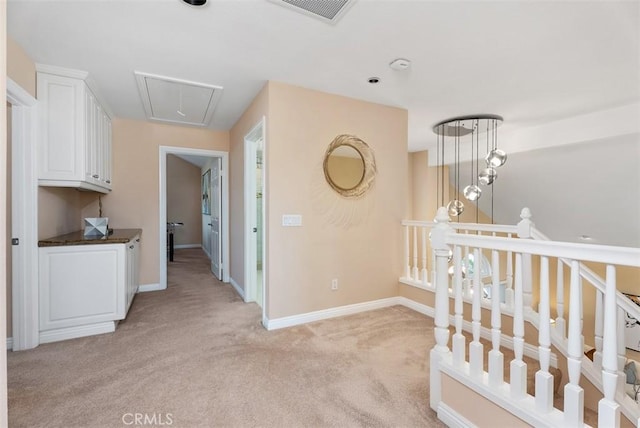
x=86 y=289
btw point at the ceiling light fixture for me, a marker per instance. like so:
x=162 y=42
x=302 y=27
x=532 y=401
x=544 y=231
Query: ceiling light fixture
x=400 y=64
x=457 y=129
x=195 y=2
x=373 y=80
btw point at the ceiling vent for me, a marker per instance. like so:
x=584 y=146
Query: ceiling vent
x=326 y=10
x=166 y=99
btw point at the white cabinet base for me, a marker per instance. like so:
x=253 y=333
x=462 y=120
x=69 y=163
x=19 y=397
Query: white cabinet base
x=78 y=331
x=85 y=289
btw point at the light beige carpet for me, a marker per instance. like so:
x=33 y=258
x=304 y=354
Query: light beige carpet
x=198 y=356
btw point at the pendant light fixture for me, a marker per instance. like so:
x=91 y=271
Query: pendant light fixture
x=468 y=128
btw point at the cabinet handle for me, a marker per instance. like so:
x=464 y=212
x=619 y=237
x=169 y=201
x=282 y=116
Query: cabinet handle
x=131 y=246
x=108 y=181
x=96 y=176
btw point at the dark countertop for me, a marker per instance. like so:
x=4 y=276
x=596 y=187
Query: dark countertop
x=119 y=236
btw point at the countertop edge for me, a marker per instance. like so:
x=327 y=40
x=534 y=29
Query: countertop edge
x=119 y=236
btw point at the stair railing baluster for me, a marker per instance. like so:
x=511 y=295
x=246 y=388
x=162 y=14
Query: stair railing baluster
x=560 y=322
x=459 y=342
x=544 y=379
x=476 y=349
x=496 y=358
x=424 y=276
x=414 y=271
x=599 y=327
x=608 y=409
x=518 y=367
x=573 y=392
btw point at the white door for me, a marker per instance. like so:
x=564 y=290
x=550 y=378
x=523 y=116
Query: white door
x=216 y=210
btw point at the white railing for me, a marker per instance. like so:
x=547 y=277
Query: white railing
x=449 y=241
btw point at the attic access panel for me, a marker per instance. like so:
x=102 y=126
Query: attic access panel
x=326 y=10
x=167 y=99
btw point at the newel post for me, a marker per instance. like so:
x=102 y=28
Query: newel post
x=441 y=318
x=524 y=232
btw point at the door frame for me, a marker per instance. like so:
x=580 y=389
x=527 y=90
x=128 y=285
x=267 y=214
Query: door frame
x=213 y=201
x=258 y=131
x=162 y=225
x=24 y=166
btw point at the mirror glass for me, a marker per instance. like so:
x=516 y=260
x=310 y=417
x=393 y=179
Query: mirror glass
x=345 y=167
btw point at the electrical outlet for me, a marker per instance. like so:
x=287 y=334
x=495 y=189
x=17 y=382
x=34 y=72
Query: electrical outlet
x=334 y=284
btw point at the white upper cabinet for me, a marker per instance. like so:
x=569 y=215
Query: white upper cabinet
x=74 y=132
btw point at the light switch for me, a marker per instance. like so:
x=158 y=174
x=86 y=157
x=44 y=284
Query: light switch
x=291 y=220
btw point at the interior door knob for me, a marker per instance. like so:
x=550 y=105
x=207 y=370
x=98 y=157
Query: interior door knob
x=255 y=229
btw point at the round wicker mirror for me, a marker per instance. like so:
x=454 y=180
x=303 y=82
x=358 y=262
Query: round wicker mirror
x=349 y=166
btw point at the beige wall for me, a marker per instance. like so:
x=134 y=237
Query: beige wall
x=20 y=68
x=475 y=408
x=258 y=109
x=366 y=256
x=59 y=211
x=134 y=200
x=184 y=200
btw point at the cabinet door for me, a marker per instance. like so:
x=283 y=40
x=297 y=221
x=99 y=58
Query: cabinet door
x=133 y=250
x=106 y=151
x=91 y=164
x=62 y=128
x=81 y=285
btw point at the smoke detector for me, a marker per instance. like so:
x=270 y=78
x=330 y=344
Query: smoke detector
x=400 y=64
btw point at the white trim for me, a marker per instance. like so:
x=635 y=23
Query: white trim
x=25 y=217
x=324 y=314
x=162 y=224
x=453 y=419
x=150 y=287
x=257 y=132
x=9 y=343
x=78 y=331
x=418 y=307
x=183 y=246
x=237 y=287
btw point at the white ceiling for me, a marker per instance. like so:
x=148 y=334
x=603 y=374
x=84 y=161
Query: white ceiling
x=539 y=64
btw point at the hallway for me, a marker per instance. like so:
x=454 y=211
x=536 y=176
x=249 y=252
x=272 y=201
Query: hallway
x=197 y=354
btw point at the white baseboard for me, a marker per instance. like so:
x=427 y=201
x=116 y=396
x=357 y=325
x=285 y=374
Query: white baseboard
x=182 y=246
x=274 y=324
x=149 y=287
x=239 y=289
x=452 y=418
x=330 y=313
x=9 y=343
x=418 y=307
x=75 y=332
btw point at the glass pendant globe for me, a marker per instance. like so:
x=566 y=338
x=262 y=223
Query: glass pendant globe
x=496 y=158
x=455 y=208
x=487 y=176
x=472 y=192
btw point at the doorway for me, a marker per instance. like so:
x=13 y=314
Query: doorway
x=24 y=218
x=221 y=242
x=255 y=236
